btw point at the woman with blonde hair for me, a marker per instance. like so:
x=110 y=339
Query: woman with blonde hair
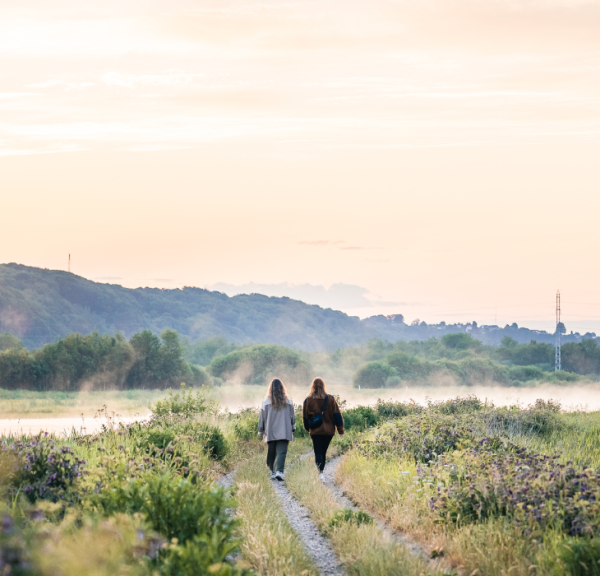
x=321 y=415
x=276 y=426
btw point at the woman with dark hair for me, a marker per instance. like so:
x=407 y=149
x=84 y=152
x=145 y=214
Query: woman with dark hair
x=276 y=426
x=321 y=415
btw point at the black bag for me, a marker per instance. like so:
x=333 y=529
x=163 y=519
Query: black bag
x=316 y=420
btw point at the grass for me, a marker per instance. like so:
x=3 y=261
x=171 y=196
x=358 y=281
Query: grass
x=360 y=545
x=392 y=468
x=379 y=486
x=28 y=404
x=270 y=545
x=382 y=475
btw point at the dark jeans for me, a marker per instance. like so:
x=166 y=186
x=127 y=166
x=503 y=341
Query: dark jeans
x=276 y=455
x=320 y=444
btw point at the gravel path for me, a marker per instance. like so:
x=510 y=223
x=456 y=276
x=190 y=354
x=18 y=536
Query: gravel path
x=401 y=539
x=299 y=518
x=317 y=546
x=225 y=481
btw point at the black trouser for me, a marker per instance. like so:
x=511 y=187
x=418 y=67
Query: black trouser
x=320 y=444
x=276 y=453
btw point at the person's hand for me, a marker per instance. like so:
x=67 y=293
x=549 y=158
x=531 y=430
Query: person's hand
x=341 y=434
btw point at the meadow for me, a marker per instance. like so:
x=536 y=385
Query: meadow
x=455 y=485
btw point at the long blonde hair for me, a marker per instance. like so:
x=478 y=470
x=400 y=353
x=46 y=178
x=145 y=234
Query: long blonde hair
x=277 y=394
x=317 y=389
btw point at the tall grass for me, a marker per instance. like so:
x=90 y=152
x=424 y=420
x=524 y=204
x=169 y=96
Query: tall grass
x=496 y=491
x=362 y=548
x=270 y=545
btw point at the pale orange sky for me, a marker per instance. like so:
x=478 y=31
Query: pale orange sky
x=441 y=154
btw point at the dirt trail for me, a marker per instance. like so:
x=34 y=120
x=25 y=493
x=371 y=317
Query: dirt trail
x=318 y=547
x=299 y=518
x=400 y=539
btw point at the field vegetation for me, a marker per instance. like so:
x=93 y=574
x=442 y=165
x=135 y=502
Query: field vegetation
x=493 y=490
x=132 y=499
x=481 y=489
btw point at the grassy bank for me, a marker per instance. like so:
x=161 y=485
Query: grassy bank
x=485 y=487
x=135 y=499
x=362 y=548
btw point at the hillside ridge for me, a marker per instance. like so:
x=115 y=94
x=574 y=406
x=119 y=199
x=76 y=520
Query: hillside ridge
x=40 y=305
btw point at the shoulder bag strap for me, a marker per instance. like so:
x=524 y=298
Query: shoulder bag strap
x=325 y=404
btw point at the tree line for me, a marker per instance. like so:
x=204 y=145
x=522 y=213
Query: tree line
x=100 y=362
x=468 y=361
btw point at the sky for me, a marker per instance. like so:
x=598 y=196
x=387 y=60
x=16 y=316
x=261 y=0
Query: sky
x=433 y=158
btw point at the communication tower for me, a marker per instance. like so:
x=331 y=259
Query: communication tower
x=69 y=262
x=557 y=335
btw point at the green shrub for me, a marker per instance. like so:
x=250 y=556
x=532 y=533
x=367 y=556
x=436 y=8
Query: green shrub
x=246 y=424
x=420 y=436
x=171 y=437
x=47 y=472
x=578 y=557
x=526 y=373
x=301 y=432
x=541 y=419
x=374 y=375
x=357 y=517
x=391 y=409
x=409 y=367
x=260 y=363
x=187 y=403
x=461 y=341
x=458 y=405
x=173 y=506
x=194 y=558
x=200 y=376
x=361 y=417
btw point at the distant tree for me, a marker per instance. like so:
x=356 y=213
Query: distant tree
x=260 y=363
x=202 y=352
x=147 y=369
x=582 y=357
x=10 y=342
x=172 y=365
x=408 y=367
x=461 y=341
x=375 y=375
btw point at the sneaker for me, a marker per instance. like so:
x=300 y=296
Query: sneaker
x=322 y=477
x=272 y=475
x=279 y=476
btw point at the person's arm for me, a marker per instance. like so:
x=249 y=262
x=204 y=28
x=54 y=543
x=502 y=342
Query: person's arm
x=338 y=419
x=293 y=416
x=261 y=422
x=305 y=416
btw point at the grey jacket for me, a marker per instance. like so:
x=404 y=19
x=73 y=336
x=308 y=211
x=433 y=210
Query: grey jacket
x=276 y=424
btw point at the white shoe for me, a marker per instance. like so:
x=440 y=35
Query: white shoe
x=279 y=476
x=322 y=477
x=272 y=475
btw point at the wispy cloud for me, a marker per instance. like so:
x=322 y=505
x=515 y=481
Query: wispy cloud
x=412 y=74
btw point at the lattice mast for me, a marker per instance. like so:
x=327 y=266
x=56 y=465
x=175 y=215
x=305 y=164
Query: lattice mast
x=557 y=365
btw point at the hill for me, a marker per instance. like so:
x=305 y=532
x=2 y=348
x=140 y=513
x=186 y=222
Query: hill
x=39 y=306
